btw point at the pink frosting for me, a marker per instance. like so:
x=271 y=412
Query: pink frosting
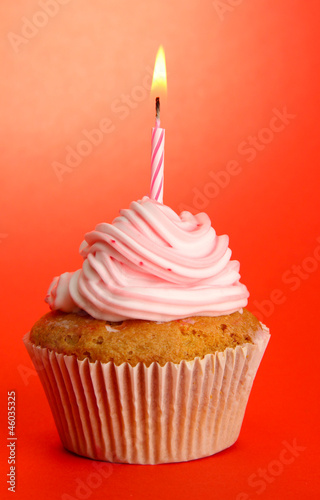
x=152 y=264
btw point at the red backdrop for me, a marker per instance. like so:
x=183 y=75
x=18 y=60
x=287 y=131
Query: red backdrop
x=241 y=123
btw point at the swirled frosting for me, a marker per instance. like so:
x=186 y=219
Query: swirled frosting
x=152 y=264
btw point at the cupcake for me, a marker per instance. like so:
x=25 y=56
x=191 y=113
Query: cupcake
x=149 y=354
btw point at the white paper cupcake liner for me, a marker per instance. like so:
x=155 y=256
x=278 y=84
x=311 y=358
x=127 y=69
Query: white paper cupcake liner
x=149 y=415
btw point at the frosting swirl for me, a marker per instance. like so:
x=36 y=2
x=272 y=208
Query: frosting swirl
x=152 y=264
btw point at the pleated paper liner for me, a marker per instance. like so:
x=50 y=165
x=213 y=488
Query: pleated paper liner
x=149 y=415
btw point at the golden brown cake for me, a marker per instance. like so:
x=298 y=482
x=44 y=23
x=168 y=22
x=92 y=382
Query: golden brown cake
x=133 y=341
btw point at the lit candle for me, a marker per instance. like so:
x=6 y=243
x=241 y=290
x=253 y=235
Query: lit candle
x=157 y=138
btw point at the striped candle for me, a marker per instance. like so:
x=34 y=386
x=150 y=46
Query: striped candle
x=157 y=158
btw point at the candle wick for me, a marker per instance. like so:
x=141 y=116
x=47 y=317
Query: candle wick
x=158 y=108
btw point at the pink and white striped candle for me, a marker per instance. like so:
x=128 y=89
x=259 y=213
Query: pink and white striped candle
x=157 y=158
x=159 y=87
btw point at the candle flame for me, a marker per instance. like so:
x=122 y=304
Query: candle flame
x=159 y=81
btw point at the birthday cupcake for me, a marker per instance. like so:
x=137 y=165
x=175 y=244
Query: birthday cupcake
x=149 y=354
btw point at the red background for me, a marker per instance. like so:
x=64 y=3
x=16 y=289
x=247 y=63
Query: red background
x=228 y=72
